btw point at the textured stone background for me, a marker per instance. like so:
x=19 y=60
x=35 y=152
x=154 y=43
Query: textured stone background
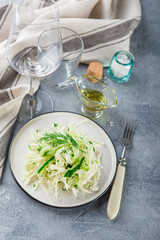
x=22 y=218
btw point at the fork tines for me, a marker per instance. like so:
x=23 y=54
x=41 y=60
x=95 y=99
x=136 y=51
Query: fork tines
x=130 y=124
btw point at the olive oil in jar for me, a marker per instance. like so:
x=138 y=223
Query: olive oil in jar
x=98 y=100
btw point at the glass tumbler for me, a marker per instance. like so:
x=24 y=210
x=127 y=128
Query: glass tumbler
x=72 y=45
x=121 y=66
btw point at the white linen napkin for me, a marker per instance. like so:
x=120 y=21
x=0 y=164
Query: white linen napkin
x=105 y=27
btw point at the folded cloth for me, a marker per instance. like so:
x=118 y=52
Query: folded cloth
x=105 y=27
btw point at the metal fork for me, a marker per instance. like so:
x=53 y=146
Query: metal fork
x=117 y=187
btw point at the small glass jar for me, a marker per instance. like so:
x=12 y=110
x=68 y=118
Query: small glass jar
x=121 y=66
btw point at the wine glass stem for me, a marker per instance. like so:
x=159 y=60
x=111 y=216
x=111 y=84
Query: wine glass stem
x=31 y=101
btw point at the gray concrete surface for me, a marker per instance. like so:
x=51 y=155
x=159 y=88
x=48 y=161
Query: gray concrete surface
x=22 y=218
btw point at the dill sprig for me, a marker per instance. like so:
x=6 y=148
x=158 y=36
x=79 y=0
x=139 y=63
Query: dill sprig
x=56 y=139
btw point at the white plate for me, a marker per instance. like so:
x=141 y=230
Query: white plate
x=19 y=147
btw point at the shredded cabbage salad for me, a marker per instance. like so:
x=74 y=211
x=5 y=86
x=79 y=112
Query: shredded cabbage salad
x=63 y=158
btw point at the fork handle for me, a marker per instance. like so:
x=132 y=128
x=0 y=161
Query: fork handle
x=116 y=193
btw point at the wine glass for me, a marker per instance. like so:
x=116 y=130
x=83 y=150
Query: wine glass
x=24 y=55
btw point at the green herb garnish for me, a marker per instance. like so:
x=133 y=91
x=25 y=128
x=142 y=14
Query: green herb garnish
x=55 y=139
x=76 y=186
x=74 y=143
x=39 y=149
x=69 y=166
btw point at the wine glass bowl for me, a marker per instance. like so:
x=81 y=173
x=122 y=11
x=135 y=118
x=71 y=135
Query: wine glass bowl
x=23 y=54
x=95 y=97
x=21 y=48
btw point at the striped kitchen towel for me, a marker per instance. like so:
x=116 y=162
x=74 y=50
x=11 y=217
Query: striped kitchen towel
x=12 y=86
x=105 y=27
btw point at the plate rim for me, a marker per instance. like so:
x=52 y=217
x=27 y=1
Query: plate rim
x=51 y=205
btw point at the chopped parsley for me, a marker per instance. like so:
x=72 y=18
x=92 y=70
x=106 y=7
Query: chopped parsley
x=30 y=147
x=76 y=186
